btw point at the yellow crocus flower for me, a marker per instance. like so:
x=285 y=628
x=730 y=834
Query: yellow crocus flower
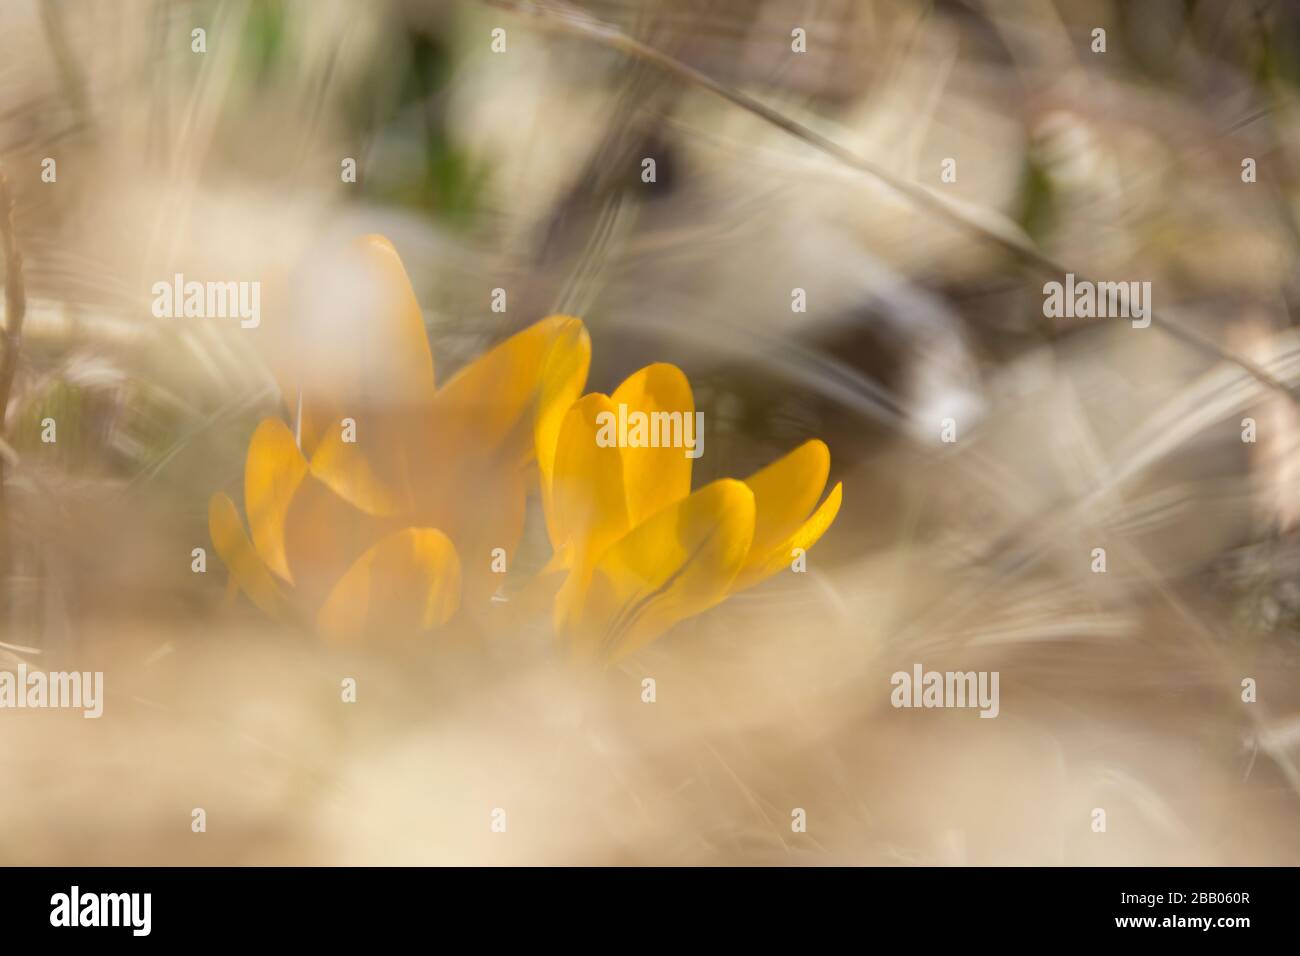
x=641 y=551
x=383 y=512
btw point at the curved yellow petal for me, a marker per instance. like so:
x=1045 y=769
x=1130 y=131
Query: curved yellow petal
x=323 y=535
x=237 y=551
x=361 y=345
x=371 y=471
x=273 y=470
x=497 y=401
x=786 y=491
x=761 y=565
x=657 y=477
x=563 y=377
x=406 y=584
x=588 y=497
x=397 y=342
x=678 y=563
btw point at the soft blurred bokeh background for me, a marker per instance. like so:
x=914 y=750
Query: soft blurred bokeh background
x=521 y=170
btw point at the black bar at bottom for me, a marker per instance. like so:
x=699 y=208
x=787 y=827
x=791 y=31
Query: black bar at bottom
x=335 y=905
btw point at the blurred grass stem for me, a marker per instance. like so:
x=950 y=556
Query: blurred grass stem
x=15 y=311
x=984 y=225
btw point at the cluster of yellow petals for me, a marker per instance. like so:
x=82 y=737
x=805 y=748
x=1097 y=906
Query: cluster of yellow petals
x=391 y=533
x=392 y=528
x=641 y=550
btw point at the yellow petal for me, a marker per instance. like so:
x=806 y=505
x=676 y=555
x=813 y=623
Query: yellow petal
x=362 y=344
x=239 y=555
x=273 y=470
x=588 y=496
x=763 y=565
x=406 y=584
x=486 y=512
x=323 y=535
x=496 y=401
x=483 y=426
x=657 y=477
x=678 y=563
x=372 y=472
x=563 y=378
x=786 y=491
